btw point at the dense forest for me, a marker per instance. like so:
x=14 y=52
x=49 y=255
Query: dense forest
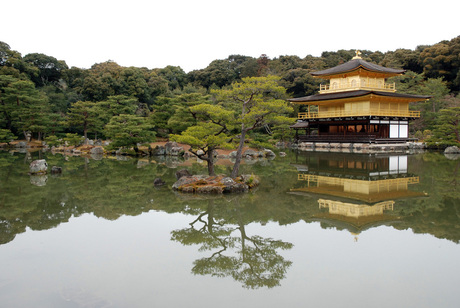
x=42 y=96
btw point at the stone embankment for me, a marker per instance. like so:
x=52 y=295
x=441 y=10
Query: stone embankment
x=360 y=147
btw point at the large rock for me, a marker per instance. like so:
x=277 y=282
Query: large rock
x=209 y=189
x=176 y=151
x=250 y=180
x=96 y=156
x=141 y=163
x=158 y=182
x=202 y=184
x=250 y=152
x=122 y=157
x=452 y=156
x=159 y=150
x=38 y=167
x=228 y=183
x=96 y=150
x=38 y=179
x=169 y=145
x=21 y=144
x=186 y=180
x=452 y=150
x=56 y=170
x=269 y=153
x=182 y=172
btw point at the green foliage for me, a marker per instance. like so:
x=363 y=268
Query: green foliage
x=447 y=128
x=49 y=69
x=23 y=107
x=252 y=260
x=37 y=90
x=403 y=58
x=427 y=134
x=115 y=106
x=128 y=130
x=203 y=136
x=259 y=101
x=209 y=133
x=298 y=82
x=6 y=136
x=110 y=79
x=173 y=115
x=409 y=83
x=442 y=60
x=419 y=135
x=73 y=139
x=52 y=140
x=85 y=115
x=174 y=75
x=283 y=132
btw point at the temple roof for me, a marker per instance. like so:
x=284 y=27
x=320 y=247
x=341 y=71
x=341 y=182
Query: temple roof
x=355 y=64
x=356 y=93
x=299 y=125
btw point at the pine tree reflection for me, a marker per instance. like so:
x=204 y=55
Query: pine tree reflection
x=253 y=260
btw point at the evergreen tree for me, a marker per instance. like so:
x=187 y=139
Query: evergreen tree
x=209 y=134
x=259 y=102
x=85 y=115
x=128 y=130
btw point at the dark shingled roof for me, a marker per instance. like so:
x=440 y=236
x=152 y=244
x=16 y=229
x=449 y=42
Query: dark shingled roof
x=350 y=94
x=355 y=64
x=300 y=125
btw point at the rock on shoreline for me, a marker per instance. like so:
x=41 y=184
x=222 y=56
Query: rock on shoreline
x=220 y=184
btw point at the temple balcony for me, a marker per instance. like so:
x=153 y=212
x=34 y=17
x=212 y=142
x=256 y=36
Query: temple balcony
x=358 y=113
x=354 y=85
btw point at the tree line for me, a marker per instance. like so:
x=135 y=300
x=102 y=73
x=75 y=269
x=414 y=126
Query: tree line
x=42 y=96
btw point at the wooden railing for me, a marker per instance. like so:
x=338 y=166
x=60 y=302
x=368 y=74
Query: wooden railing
x=351 y=138
x=371 y=85
x=354 y=138
x=358 y=113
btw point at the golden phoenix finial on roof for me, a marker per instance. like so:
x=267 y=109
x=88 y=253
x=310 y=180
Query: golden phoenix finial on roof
x=357 y=54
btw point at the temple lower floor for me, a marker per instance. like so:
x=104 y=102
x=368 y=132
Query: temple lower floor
x=364 y=130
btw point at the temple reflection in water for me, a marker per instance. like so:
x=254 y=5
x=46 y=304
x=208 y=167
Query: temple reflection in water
x=355 y=191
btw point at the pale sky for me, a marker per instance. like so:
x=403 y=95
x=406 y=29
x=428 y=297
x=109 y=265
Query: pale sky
x=193 y=33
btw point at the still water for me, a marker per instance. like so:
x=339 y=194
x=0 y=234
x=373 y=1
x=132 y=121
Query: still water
x=322 y=230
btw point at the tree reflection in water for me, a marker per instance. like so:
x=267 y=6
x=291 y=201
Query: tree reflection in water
x=251 y=260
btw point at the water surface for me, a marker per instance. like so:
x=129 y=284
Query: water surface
x=322 y=230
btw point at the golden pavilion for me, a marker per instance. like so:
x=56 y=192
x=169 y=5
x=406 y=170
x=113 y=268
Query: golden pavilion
x=356 y=105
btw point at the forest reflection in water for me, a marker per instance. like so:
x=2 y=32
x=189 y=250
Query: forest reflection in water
x=344 y=192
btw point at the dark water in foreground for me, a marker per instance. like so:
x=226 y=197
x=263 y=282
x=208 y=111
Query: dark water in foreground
x=322 y=230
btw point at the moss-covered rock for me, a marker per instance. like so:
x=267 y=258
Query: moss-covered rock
x=203 y=184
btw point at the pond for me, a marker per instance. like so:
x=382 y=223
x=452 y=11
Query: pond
x=322 y=230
